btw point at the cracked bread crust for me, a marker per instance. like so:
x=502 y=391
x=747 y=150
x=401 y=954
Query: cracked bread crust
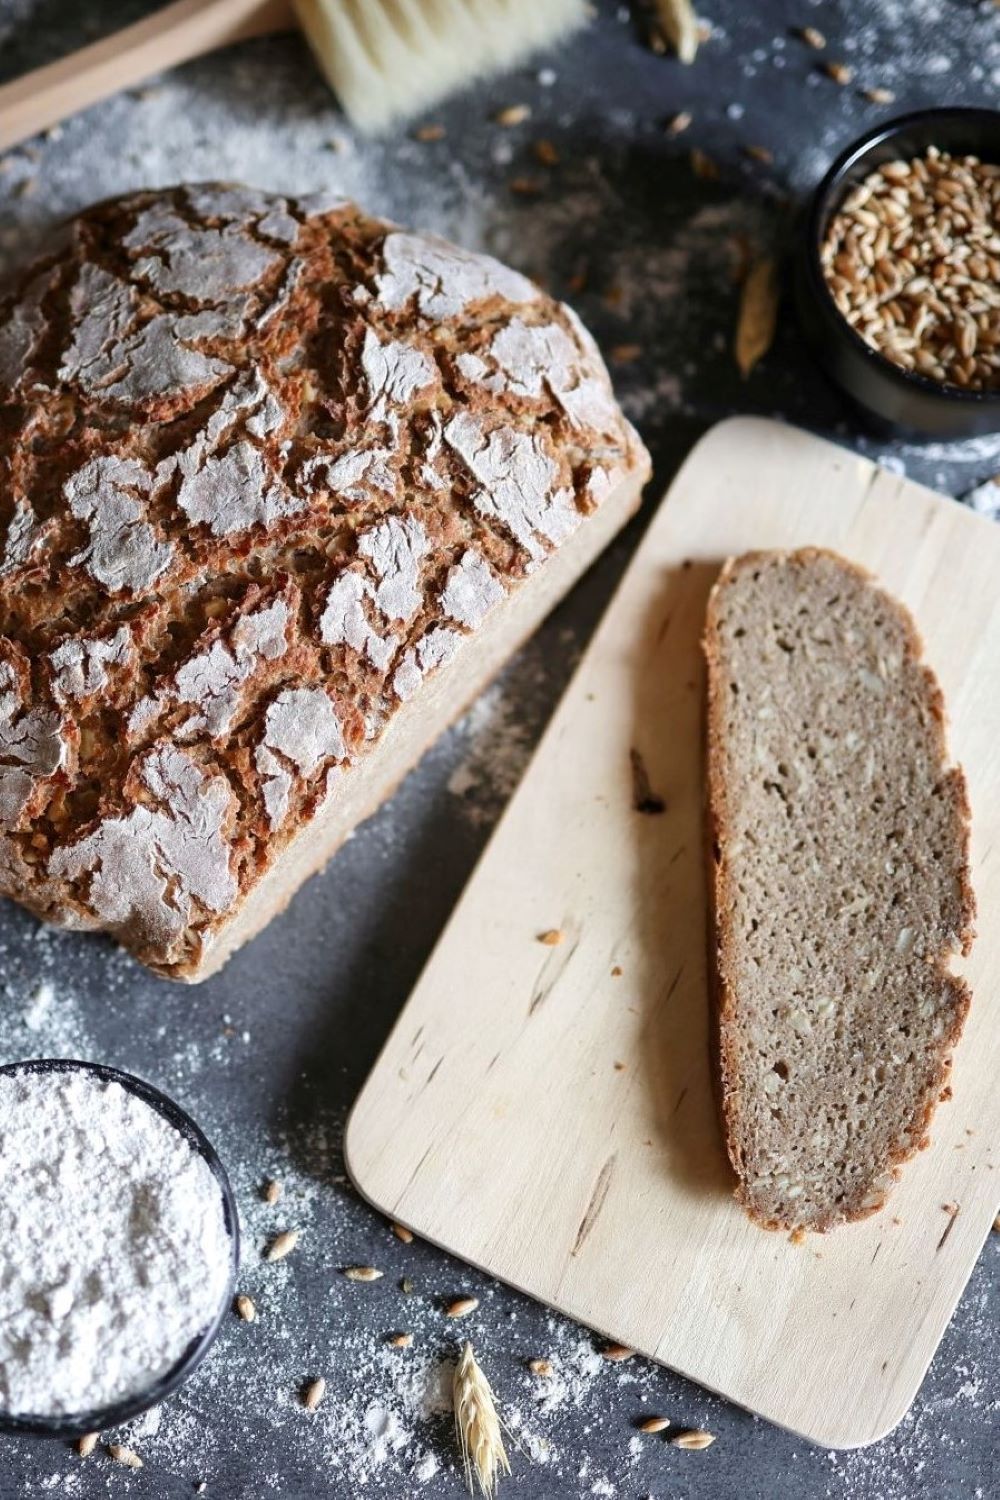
x=265 y=465
x=839 y=885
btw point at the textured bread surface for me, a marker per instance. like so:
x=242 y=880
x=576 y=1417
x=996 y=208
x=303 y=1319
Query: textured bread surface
x=268 y=468
x=839 y=881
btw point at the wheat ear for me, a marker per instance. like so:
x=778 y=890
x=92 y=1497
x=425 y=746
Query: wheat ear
x=477 y=1425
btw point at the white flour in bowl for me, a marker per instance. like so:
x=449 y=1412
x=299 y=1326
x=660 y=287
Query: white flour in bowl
x=115 y=1249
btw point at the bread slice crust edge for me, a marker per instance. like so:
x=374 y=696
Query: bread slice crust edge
x=720 y=877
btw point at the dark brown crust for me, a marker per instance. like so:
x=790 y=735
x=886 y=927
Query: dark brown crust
x=720 y=935
x=217 y=353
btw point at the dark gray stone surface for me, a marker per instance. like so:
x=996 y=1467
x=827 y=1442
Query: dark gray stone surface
x=270 y=1054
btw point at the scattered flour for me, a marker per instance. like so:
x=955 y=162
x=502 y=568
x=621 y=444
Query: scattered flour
x=497 y=750
x=257 y=114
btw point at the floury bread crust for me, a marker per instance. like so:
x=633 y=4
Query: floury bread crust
x=280 y=485
x=839 y=877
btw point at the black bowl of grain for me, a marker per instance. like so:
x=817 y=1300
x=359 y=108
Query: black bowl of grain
x=898 y=275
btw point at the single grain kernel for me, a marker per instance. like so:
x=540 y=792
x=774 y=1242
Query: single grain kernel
x=552 y=937
x=617 y=1353
x=703 y=166
x=514 y=114
x=85 y=1445
x=461 y=1307
x=653 y=1424
x=127 y=1457
x=246 y=1308
x=541 y=1367
x=362 y=1273
x=283 y=1244
x=401 y=1340
x=313 y=1393
x=402 y=1233
x=694 y=1440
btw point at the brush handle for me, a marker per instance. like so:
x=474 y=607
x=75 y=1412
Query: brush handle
x=173 y=35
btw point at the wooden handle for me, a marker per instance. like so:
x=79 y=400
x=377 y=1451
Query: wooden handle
x=173 y=35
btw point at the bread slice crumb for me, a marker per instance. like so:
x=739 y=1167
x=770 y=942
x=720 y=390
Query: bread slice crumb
x=839 y=882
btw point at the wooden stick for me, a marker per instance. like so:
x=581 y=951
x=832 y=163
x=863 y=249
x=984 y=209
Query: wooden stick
x=175 y=34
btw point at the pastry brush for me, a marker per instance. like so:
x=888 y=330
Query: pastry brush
x=384 y=58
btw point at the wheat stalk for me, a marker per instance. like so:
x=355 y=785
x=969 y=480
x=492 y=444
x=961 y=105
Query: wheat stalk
x=477 y=1425
x=679 y=25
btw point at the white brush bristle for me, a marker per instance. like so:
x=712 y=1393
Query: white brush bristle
x=386 y=59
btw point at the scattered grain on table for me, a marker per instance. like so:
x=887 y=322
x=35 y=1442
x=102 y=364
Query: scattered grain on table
x=758 y=314
x=282 y=1244
x=461 y=1307
x=694 y=1440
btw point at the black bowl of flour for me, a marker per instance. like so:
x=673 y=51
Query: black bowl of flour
x=121 y=1244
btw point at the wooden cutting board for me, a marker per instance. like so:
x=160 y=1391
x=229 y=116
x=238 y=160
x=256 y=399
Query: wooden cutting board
x=547 y=1113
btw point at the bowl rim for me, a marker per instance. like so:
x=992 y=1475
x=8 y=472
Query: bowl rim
x=827 y=190
x=66 y=1425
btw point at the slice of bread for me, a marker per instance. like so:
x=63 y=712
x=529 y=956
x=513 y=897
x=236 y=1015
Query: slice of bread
x=839 y=882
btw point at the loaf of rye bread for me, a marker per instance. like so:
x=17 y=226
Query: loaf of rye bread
x=281 y=486
x=839 y=881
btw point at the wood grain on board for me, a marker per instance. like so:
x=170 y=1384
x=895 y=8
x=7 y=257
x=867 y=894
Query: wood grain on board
x=546 y=1112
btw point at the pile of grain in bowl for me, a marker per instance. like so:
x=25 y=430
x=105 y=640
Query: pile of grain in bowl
x=912 y=257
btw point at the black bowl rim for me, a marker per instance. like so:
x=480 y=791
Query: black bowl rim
x=101 y=1419
x=828 y=187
